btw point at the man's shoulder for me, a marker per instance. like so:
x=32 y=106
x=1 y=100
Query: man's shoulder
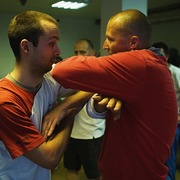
x=5 y=84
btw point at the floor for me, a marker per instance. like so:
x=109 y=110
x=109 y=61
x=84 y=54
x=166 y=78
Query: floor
x=178 y=167
x=60 y=173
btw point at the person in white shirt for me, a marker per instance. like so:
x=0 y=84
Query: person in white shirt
x=175 y=71
x=87 y=133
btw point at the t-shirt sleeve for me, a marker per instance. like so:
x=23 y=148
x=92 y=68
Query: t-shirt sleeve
x=18 y=133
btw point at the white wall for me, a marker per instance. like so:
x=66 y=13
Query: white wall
x=73 y=29
x=168 y=32
x=6 y=55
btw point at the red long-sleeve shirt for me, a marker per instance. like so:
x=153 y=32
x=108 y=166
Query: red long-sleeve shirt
x=136 y=146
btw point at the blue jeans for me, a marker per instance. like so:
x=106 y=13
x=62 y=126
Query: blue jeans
x=171 y=162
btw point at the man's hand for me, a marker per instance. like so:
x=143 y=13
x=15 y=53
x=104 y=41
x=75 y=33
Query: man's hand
x=72 y=103
x=51 y=119
x=102 y=103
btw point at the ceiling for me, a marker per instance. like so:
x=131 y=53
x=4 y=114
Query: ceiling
x=156 y=8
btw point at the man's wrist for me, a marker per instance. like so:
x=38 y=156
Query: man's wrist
x=92 y=112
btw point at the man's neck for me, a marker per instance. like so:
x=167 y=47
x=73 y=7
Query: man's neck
x=25 y=80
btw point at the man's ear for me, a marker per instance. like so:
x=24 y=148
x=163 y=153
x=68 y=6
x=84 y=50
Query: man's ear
x=25 y=45
x=134 y=42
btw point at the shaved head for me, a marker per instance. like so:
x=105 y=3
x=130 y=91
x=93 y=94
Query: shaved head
x=133 y=23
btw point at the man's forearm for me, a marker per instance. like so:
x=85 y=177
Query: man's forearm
x=76 y=100
x=50 y=152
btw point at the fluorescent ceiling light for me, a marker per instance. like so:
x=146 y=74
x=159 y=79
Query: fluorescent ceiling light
x=69 y=5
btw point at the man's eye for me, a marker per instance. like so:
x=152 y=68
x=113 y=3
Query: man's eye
x=82 y=52
x=52 y=44
x=110 y=39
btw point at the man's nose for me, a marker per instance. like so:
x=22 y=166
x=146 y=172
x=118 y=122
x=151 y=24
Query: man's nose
x=105 y=45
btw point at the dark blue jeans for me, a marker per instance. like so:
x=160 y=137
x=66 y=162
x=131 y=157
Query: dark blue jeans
x=171 y=162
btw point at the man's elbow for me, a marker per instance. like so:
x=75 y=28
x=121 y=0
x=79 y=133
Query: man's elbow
x=51 y=163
